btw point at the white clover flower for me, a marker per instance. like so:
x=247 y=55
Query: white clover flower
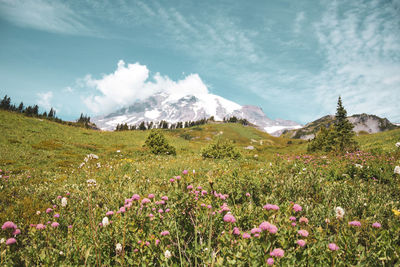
x=167 y=254
x=105 y=221
x=339 y=213
x=118 y=248
x=91 y=183
x=397 y=170
x=64 y=202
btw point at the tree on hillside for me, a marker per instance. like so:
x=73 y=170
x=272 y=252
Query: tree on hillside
x=339 y=137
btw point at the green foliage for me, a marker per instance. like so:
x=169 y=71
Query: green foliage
x=157 y=144
x=221 y=149
x=338 y=138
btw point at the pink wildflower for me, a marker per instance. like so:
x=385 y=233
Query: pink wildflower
x=297 y=208
x=40 y=226
x=189 y=187
x=167 y=210
x=247 y=194
x=376 y=225
x=70 y=226
x=178 y=177
x=109 y=213
x=165 y=198
x=303 y=233
x=229 y=218
x=164 y=233
x=301 y=242
x=255 y=230
x=271 y=207
x=160 y=211
x=49 y=210
x=59 y=197
x=236 y=231
x=122 y=209
x=17 y=232
x=55 y=224
x=185 y=172
x=135 y=197
x=278 y=252
x=11 y=241
x=270 y=261
x=355 y=223
x=246 y=235
x=333 y=246
x=292 y=218
x=9 y=225
x=294 y=224
x=303 y=220
x=145 y=200
x=150 y=196
x=56 y=215
x=172 y=180
x=157 y=242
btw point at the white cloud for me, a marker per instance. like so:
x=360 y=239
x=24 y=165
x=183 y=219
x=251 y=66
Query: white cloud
x=44 y=99
x=51 y=16
x=300 y=17
x=131 y=82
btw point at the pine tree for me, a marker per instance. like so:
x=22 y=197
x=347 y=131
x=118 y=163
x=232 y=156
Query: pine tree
x=344 y=129
x=21 y=107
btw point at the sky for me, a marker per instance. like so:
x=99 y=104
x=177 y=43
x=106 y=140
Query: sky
x=291 y=58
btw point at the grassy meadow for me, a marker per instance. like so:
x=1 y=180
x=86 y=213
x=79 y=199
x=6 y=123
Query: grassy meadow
x=276 y=205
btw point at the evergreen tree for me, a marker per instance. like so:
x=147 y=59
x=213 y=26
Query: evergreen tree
x=344 y=129
x=21 y=107
x=142 y=126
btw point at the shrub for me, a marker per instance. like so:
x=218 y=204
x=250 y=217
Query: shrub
x=221 y=149
x=157 y=144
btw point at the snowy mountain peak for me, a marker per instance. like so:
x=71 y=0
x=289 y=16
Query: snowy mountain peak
x=174 y=109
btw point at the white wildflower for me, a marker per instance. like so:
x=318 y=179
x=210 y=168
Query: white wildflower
x=167 y=254
x=38 y=212
x=359 y=166
x=81 y=165
x=2 y=240
x=64 y=202
x=61 y=253
x=397 y=170
x=398 y=144
x=105 y=221
x=339 y=213
x=118 y=151
x=91 y=183
x=98 y=165
x=118 y=248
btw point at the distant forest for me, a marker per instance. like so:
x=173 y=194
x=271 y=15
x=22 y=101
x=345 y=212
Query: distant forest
x=33 y=111
x=178 y=125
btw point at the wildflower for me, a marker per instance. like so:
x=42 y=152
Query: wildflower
x=56 y=215
x=209 y=207
x=303 y=220
x=246 y=235
x=292 y=218
x=16 y=232
x=398 y=144
x=376 y=225
x=122 y=209
x=397 y=170
x=172 y=180
x=160 y=211
x=355 y=223
x=236 y=231
x=151 y=196
x=91 y=183
x=301 y=242
x=278 y=252
x=109 y=213
x=157 y=242
x=118 y=248
x=105 y=221
x=333 y=246
x=165 y=198
x=167 y=254
x=167 y=210
x=61 y=253
x=59 y=197
x=293 y=224
x=9 y=225
x=266 y=226
x=145 y=200
x=11 y=241
x=247 y=194
x=64 y=202
x=164 y=233
x=40 y=226
x=189 y=187
x=3 y=239
x=297 y=208
x=339 y=213
x=303 y=233
x=38 y=212
x=178 y=177
x=229 y=218
x=135 y=197
x=270 y=261
x=396 y=212
x=271 y=207
x=70 y=226
x=359 y=166
x=185 y=172
x=255 y=230
x=55 y=224
x=151 y=215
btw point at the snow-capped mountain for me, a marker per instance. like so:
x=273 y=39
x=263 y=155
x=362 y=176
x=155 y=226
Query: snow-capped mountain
x=163 y=106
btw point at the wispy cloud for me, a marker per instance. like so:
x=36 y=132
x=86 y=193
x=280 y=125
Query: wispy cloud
x=51 y=16
x=300 y=17
x=44 y=99
x=362 y=50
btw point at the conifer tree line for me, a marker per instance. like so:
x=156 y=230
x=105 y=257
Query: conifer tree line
x=33 y=111
x=165 y=125
x=338 y=138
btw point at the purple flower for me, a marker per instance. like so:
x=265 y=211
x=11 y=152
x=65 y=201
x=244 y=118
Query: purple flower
x=355 y=223
x=145 y=200
x=135 y=197
x=236 y=231
x=189 y=187
x=17 y=232
x=56 y=215
x=301 y=242
x=303 y=233
x=164 y=233
x=270 y=261
x=165 y=198
x=9 y=225
x=40 y=226
x=376 y=225
x=49 y=210
x=11 y=241
x=333 y=246
x=297 y=208
x=246 y=235
x=255 y=230
x=292 y=218
x=229 y=218
x=55 y=224
x=271 y=207
x=185 y=172
x=109 y=213
x=151 y=196
x=278 y=252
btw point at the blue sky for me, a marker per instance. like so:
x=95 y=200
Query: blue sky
x=292 y=58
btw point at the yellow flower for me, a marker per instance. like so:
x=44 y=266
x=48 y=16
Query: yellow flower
x=396 y=212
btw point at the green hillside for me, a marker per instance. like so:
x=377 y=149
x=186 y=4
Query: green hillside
x=41 y=164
